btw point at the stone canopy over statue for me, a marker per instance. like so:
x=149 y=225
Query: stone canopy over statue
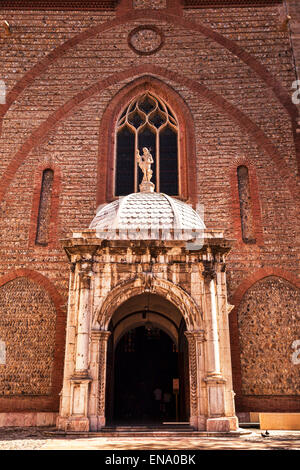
x=145 y=161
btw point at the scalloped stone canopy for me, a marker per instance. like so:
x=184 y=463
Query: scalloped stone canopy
x=147 y=215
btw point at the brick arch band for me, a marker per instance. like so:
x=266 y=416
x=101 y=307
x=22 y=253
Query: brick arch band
x=235 y=300
x=51 y=402
x=279 y=91
x=186 y=146
x=258 y=275
x=231 y=111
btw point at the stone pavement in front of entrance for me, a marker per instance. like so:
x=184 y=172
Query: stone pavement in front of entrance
x=36 y=439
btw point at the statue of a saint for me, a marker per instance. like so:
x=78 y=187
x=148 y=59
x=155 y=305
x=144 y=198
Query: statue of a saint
x=145 y=161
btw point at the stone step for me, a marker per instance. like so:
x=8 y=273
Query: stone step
x=149 y=428
x=144 y=433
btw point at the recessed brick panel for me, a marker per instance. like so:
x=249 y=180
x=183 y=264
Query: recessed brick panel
x=268 y=320
x=27 y=326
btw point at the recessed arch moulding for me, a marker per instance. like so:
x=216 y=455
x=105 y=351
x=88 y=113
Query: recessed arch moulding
x=105 y=275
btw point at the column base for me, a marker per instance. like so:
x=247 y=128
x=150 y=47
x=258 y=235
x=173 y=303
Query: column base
x=223 y=424
x=97 y=423
x=79 y=424
x=101 y=422
x=198 y=423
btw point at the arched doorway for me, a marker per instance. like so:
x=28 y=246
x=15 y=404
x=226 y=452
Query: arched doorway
x=147 y=363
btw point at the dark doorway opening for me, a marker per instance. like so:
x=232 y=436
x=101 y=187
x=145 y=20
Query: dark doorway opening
x=145 y=364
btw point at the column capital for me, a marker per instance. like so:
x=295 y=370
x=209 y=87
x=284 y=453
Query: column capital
x=215 y=379
x=80 y=377
x=209 y=272
x=85 y=278
x=100 y=335
x=196 y=335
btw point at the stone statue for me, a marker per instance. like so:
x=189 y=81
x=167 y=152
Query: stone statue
x=145 y=161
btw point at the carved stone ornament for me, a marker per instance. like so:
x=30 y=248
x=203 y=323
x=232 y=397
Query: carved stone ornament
x=145 y=40
x=85 y=279
x=147 y=278
x=209 y=271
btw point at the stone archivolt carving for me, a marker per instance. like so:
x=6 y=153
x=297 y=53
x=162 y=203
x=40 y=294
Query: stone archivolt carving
x=136 y=286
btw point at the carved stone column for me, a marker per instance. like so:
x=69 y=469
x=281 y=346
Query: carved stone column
x=83 y=322
x=101 y=415
x=196 y=370
x=213 y=350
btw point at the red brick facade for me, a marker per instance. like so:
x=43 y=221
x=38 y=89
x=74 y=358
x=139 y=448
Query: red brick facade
x=225 y=68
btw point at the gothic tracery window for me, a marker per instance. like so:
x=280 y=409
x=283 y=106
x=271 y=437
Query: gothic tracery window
x=147 y=122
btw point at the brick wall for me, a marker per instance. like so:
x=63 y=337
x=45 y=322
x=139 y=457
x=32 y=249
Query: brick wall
x=293 y=9
x=233 y=68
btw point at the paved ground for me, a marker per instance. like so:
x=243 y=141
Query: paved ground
x=35 y=439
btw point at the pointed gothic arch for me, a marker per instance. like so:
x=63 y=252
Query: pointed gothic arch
x=109 y=124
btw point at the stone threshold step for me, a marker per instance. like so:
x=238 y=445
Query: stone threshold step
x=150 y=434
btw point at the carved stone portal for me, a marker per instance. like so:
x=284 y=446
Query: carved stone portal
x=106 y=278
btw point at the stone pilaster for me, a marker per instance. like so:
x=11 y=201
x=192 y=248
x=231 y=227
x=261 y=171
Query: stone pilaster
x=211 y=314
x=83 y=322
x=78 y=388
x=215 y=382
x=196 y=370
